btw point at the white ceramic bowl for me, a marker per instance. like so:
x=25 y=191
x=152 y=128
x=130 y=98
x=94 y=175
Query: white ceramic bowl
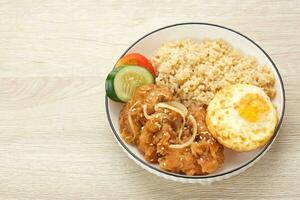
x=235 y=162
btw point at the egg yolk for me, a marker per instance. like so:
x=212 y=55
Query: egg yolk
x=252 y=106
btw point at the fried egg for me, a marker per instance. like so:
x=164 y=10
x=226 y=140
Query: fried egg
x=241 y=117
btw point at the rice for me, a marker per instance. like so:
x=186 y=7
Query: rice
x=196 y=71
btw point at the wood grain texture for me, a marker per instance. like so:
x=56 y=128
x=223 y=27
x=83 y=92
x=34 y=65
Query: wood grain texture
x=55 y=141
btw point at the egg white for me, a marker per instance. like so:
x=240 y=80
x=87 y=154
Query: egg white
x=230 y=128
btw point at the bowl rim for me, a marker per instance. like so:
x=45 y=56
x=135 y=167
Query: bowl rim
x=246 y=164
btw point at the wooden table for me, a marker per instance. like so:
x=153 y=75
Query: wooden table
x=55 y=142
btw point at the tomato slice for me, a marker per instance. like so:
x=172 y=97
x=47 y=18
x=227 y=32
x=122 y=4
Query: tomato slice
x=137 y=59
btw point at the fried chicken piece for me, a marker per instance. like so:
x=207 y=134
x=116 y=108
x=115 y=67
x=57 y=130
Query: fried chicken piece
x=146 y=143
x=204 y=155
x=154 y=139
x=180 y=161
x=147 y=94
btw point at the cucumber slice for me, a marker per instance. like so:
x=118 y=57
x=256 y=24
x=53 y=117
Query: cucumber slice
x=128 y=79
x=109 y=85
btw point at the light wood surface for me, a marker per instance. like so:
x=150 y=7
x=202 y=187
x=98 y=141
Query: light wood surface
x=55 y=141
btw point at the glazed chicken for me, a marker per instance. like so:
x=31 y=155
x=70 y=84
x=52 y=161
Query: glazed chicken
x=169 y=134
x=146 y=94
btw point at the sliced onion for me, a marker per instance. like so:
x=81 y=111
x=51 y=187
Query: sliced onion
x=132 y=127
x=151 y=116
x=145 y=111
x=176 y=107
x=192 y=138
